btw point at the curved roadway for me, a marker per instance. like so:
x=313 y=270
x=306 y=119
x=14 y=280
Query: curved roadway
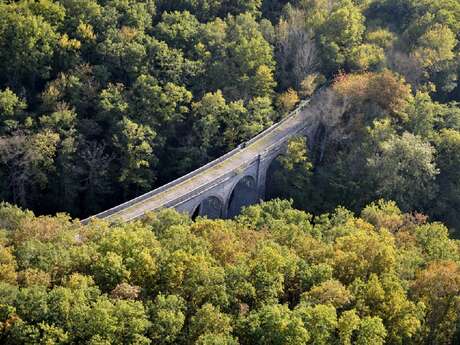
x=205 y=175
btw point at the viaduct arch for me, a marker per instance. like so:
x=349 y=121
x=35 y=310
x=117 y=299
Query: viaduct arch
x=222 y=187
x=211 y=207
x=244 y=193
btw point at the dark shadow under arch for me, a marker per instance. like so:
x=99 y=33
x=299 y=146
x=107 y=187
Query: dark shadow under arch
x=273 y=179
x=211 y=207
x=244 y=194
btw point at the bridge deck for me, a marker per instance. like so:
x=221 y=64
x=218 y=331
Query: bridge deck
x=200 y=179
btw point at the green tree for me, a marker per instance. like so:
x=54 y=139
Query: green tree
x=157 y=106
x=403 y=166
x=448 y=160
x=347 y=324
x=129 y=256
x=167 y=319
x=27 y=45
x=371 y=331
x=180 y=29
x=134 y=143
x=340 y=33
x=240 y=54
x=273 y=324
x=210 y=326
x=11 y=110
x=320 y=322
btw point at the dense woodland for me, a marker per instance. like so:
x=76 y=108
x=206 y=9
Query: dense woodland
x=272 y=276
x=101 y=101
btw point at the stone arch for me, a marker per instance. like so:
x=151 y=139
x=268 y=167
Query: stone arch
x=244 y=193
x=211 y=207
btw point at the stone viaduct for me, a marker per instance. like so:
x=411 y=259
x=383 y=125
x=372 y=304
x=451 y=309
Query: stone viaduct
x=222 y=187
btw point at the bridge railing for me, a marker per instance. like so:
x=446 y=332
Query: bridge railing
x=193 y=173
x=270 y=129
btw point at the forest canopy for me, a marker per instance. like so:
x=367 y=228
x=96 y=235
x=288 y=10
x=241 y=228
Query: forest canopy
x=96 y=96
x=274 y=275
x=102 y=100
